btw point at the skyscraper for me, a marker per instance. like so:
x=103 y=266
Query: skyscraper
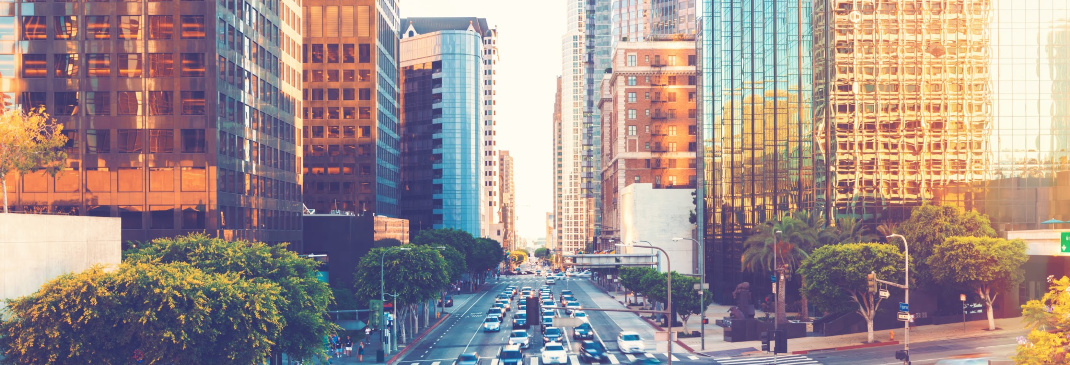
x=180 y=115
x=490 y=190
x=441 y=75
x=351 y=107
x=755 y=124
x=642 y=20
x=508 y=189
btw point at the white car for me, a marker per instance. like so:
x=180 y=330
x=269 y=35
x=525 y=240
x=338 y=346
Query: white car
x=629 y=342
x=581 y=315
x=492 y=323
x=550 y=281
x=520 y=338
x=554 y=353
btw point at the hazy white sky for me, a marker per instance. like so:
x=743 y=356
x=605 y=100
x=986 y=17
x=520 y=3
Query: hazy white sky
x=529 y=48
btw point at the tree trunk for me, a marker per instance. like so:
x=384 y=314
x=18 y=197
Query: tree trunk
x=869 y=328
x=804 y=312
x=684 y=319
x=3 y=181
x=985 y=295
x=416 y=319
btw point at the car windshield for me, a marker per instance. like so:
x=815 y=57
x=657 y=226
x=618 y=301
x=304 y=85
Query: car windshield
x=555 y=348
x=490 y=319
x=518 y=334
x=553 y=331
x=630 y=337
x=467 y=357
x=585 y=326
x=581 y=314
x=521 y=315
x=511 y=355
x=592 y=345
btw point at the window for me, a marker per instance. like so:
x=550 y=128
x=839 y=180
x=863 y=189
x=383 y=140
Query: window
x=672 y=60
x=672 y=146
x=631 y=113
x=317 y=53
x=130 y=215
x=98 y=103
x=364 y=75
x=631 y=97
x=365 y=53
x=332 y=94
x=129 y=27
x=161 y=65
x=161 y=27
x=161 y=216
x=672 y=130
x=631 y=130
x=161 y=141
x=193 y=27
x=365 y=94
x=349 y=94
x=66 y=27
x=66 y=103
x=129 y=102
x=99 y=64
x=34 y=28
x=631 y=80
x=161 y=103
x=631 y=60
x=192 y=215
x=193 y=65
x=193 y=103
x=130 y=141
x=349 y=53
x=98 y=26
x=332 y=53
x=129 y=64
x=34 y=66
x=97 y=141
x=365 y=113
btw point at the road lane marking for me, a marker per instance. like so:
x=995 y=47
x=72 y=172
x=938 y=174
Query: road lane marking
x=649 y=355
x=574 y=359
x=534 y=360
x=613 y=359
x=630 y=357
x=673 y=357
x=692 y=357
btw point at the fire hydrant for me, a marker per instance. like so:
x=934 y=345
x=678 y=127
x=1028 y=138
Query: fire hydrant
x=892 y=334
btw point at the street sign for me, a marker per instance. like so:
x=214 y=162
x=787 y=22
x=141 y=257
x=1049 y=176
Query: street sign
x=772 y=278
x=903 y=316
x=903 y=307
x=702 y=286
x=885 y=294
x=1065 y=242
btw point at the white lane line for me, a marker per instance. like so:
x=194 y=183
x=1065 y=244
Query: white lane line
x=534 y=360
x=435 y=363
x=673 y=357
x=613 y=359
x=649 y=355
x=691 y=357
x=630 y=357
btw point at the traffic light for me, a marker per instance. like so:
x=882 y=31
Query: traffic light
x=780 y=342
x=902 y=355
x=871 y=280
x=375 y=318
x=764 y=336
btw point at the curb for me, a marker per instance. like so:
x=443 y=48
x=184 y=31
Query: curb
x=417 y=339
x=852 y=347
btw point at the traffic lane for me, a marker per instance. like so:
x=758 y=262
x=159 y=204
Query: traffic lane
x=487 y=344
x=605 y=329
x=449 y=340
x=991 y=346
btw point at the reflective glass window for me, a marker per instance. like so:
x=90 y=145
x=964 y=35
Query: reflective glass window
x=349 y=53
x=193 y=27
x=332 y=94
x=129 y=64
x=365 y=113
x=98 y=26
x=193 y=65
x=98 y=103
x=161 y=65
x=129 y=102
x=129 y=26
x=66 y=103
x=98 y=141
x=34 y=66
x=365 y=94
x=98 y=64
x=161 y=141
x=161 y=103
x=130 y=141
x=162 y=216
x=34 y=28
x=31 y=100
x=365 y=53
x=7 y=65
x=7 y=28
x=193 y=141
x=317 y=53
x=349 y=75
x=192 y=215
x=130 y=216
x=66 y=65
x=332 y=53
x=193 y=103
x=161 y=26
x=349 y=94
x=364 y=75
x=349 y=112
x=332 y=76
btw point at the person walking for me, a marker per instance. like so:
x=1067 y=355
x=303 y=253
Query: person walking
x=349 y=347
x=360 y=352
x=367 y=334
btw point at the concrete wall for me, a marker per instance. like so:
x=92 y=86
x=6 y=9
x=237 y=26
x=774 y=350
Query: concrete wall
x=657 y=216
x=37 y=248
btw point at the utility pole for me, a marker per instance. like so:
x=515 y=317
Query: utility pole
x=906 y=299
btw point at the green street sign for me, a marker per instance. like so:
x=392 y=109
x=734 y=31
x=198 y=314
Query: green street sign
x=1064 y=242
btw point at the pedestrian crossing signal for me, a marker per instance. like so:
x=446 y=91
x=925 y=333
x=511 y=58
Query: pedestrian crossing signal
x=1064 y=242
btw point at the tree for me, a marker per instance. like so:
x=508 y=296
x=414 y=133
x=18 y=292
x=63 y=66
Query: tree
x=837 y=276
x=518 y=256
x=986 y=264
x=541 y=252
x=149 y=313
x=929 y=225
x=29 y=141
x=456 y=266
x=416 y=275
x=1049 y=326
x=799 y=233
x=630 y=278
x=486 y=255
x=685 y=299
x=387 y=242
x=847 y=230
x=303 y=300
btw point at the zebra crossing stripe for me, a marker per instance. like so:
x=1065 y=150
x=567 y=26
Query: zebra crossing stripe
x=649 y=355
x=692 y=357
x=573 y=359
x=613 y=359
x=494 y=361
x=786 y=360
x=674 y=358
x=534 y=360
x=629 y=356
x=436 y=363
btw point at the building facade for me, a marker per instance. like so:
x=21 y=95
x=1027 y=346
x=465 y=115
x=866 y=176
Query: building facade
x=642 y=20
x=491 y=190
x=508 y=189
x=182 y=116
x=648 y=123
x=441 y=75
x=553 y=219
x=351 y=107
x=755 y=126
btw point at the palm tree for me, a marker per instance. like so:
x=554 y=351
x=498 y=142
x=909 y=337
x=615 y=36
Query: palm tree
x=798 y=234
x=847 y=230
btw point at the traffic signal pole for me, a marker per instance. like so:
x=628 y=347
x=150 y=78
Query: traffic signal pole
x=906 y=299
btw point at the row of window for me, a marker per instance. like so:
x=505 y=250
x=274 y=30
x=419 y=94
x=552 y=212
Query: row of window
x=248 y=218
x=657 y=81
x=333 y=75
x=336 y=187
x=670 y=96
x=337 y=53
x=99 y=27
x=338 y=94
x=235 y=111
x=670 y=60
x=123 y=179
x=338 y=169
x=237 y=182
x=136 y=141
x=255 y=152
x=348 y=112
x=335 y=150
x=669 y=130
x=99 y=103
x=100 y=65
x=658 y=114
x=334 y=131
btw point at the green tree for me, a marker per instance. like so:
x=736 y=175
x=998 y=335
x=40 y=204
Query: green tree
x=929 y=225
x=518 y=256
x=1048 y=341
x=304 y=298
x=156 y=313
x=29 y=141
x=799 y=233
x=387 y=242
x=837 y=276
x=685 y=299
x=486 y=255
x=988 y=265
x=541 y=252
x=847 y=230
x=415 y=275
x=456 y=266
x=630 y=277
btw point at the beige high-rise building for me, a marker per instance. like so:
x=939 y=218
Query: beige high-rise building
x=902 y=96
x=508 y=201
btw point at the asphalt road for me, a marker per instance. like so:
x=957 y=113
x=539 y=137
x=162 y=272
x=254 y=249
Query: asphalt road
x=998 y=347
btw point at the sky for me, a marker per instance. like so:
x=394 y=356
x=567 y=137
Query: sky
x=529 y=51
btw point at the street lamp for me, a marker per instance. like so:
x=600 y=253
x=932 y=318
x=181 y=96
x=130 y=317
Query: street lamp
x=701 y=287
x=668 y=282
x=382 y=290
x=776 y=285
x=906 y=295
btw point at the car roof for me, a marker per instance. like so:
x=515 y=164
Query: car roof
x=623 y=333
x=511 y=348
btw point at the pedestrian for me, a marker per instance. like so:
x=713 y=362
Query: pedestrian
x=360 y=352
x=349 y=347
x=367 y=334
x=338 y=349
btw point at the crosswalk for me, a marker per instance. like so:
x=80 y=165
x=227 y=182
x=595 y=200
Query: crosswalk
x=781 y=360
x=533 y=358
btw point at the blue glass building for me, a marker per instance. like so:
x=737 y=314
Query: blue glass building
x=441 y=67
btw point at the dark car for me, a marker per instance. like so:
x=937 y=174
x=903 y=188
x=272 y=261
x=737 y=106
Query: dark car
x=448 y=301
x=551 y=334
x=520 y=320
x=592 y=351
x=646 y=361
x=470 y=358
x=510 y=355
x=583 y=332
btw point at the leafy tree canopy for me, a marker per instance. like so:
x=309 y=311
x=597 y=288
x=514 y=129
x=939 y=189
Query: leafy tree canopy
x=387 y=242
x=1048 y=341
x=929 y=225
x=836 y=276
x=988 y=265
x=541 y=252
x=417 y=274
x=29 y=141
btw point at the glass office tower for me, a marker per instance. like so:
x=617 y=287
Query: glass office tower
x=755 y=124
x=441 y=74
x=180 y=114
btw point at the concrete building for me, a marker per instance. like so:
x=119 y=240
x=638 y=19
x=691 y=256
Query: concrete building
x=652 y=216
x=35 y=252
x=491 y=200
x=182 y=116
x=508 y=190
x=442 y=98
x=553 y=219
x=350 y=94
x=648 y=124
x=344 y=239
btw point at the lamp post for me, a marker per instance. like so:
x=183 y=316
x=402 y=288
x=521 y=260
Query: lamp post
x=701 y=288
x=776 y=285
x=906 y=296
x=382 y=290
x=668 y=298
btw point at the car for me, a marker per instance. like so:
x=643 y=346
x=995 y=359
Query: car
x=583 y=332
x=581 y=315
x=505 y=304
x=592 y=351
x=520 y=320
x=498 y=312
x=547 y=321
x=554 y=353
x=520 y=338
x=571 y=307
x=566 y=292
x=447 y=302
x=538 y=272
x=550 y=281
x=646 y=361
x=510 y=355
x=492 y=323
x=470 y=358
x=552 y=334
x=630 y=342
x=548 y=303
x=500 y=305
